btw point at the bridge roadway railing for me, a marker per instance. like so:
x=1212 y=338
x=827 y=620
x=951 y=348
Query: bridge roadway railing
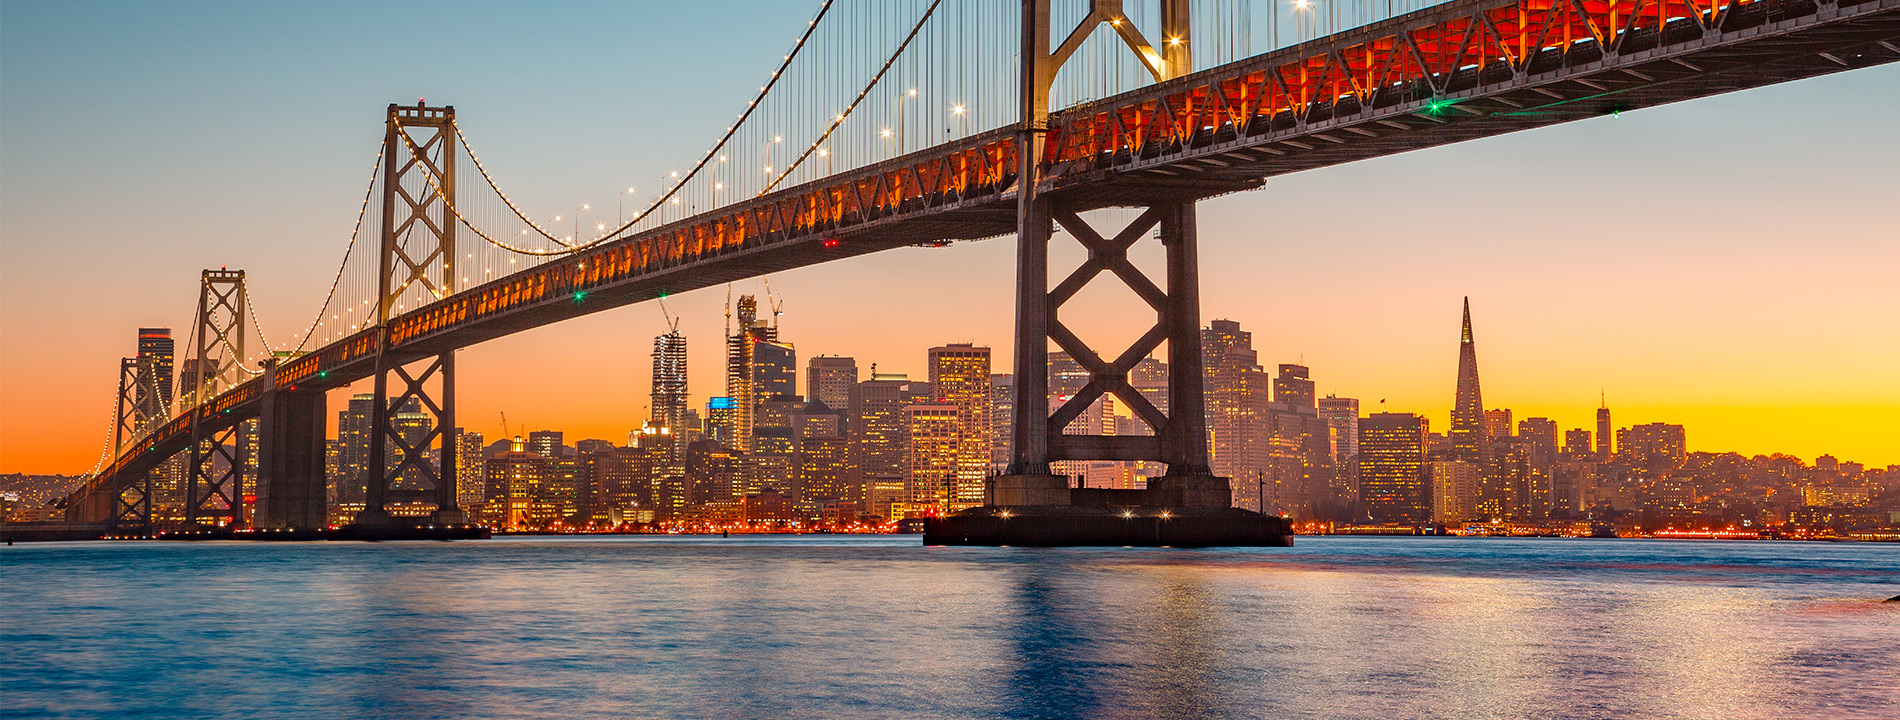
x=1452 y=72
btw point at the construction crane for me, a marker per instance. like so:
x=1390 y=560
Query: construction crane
x=673 y=321
x=778 y=305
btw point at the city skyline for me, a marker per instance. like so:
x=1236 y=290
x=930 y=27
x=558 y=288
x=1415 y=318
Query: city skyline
x=1694 y=320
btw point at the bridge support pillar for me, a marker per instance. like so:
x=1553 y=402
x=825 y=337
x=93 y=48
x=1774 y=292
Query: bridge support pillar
x=290 y=463
x=132 y=502
x=404 y=427
x=1180 y=431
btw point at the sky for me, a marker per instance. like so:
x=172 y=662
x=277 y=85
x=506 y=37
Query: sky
x=1727 y=264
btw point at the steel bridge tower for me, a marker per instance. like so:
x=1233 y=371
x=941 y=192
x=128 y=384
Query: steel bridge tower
x=214 y=475
x=417 y=259
x=1180 y=434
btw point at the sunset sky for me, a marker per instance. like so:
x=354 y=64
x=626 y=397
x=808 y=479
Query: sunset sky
x=1731 y=264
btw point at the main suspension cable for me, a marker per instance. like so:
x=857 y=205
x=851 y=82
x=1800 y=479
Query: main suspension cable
x=731 y=130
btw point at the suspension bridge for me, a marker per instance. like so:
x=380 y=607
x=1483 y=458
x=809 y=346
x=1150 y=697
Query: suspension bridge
x=892 y=124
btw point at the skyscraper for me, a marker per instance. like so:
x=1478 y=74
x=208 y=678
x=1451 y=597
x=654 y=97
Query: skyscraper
x=1454 y=491
x=933 y=456
x=353 y=435
x=547 y=443
x=741 y=383
x=1002 y=413
x=878 y=436
x=758 y=368
x=1235 y=389
x=1577 y=445
x=1541 y=434
x=470 y=468
x=828 y=379
x=960 y=375
x=722 y=420
x=155 y=347
x=1467 y=433
x=669 y=384
x=1497 y=424
x=1341 y=416
x=1293 y=386
x=1604 y=449
x=1655 y=445
x=1394 y=478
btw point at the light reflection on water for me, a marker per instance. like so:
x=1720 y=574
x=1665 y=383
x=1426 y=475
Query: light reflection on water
x=876 y=627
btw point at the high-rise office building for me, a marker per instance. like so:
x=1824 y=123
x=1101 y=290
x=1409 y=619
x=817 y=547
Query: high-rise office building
x=878 y=432
x=722 y=420
x=1577 y=445
x=712 y=472
x=1655 y=445
x=774 y=369
x=515 y=478
x=740 y=386
x=773 y=461
x=1394 y=479
x=824 y=469
x=1341 y=416
x=828 y=379
x=1497 y=423
x=1604 y=449
x=1454 y=491
x=470 y=468
x=1299 y=448
x=353 y=436
x=547 y=443
x=1467 y=433
x=1235 y=387
x=960 y=376
x=1541 y=435
x=1002 y=414
x=669 y=385
x=758 y=367
x=1293 y=387
x=155 y=347
x=933 y=456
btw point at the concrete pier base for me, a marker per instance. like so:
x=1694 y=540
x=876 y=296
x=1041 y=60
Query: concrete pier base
x=1104 y=525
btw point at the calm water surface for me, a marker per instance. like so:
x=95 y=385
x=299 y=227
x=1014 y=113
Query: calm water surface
x=877 y=627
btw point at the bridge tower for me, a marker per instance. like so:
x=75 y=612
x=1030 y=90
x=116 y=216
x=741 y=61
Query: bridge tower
x=132 y=504
x=215 y=472
x=1180 y=434
x=416 y=265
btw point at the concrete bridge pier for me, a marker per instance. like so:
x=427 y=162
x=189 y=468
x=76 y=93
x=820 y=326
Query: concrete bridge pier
x=290 y=465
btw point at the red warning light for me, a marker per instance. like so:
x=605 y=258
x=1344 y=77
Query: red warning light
x=831 y=242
